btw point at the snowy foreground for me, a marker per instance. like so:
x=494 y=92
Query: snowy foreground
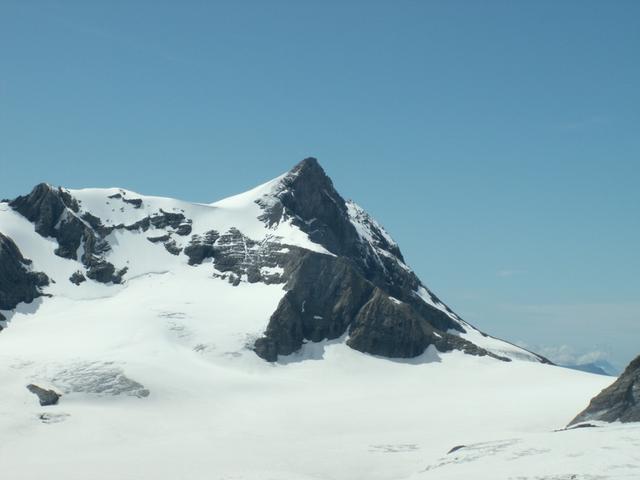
x=161 y=386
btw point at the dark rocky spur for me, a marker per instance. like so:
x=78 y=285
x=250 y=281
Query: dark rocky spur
x=618 y=402
x=17 y=282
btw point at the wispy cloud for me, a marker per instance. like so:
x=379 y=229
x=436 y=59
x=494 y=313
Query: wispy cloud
x=579 y=332
x=568 y=355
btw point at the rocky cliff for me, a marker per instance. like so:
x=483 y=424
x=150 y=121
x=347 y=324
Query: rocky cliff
x=618 y=402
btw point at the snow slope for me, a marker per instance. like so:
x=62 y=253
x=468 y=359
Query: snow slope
x=610 y=451
x=215 y=410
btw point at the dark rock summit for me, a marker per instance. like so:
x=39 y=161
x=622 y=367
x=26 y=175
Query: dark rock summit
x=307 y=197
x=17 y=282
x=618 y=402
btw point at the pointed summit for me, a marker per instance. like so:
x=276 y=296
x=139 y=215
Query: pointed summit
x=308 y=169
x=309 y=163
x=308 y=181
x=307 y=197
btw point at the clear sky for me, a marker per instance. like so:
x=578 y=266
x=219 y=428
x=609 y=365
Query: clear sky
x=498 y=141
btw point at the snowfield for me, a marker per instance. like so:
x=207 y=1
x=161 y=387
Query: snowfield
x=159 y=382
x=216 y=410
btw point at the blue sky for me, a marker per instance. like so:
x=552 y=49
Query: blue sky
x=497 y=141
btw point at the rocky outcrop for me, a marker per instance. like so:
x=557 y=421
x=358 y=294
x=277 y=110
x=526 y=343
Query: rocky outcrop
x=328 y=296
x=17 y=282
x=52 y=211
x=44 y=206
x=201 y=247
x=236 y=257
x=55 y=213
x=136 y=202
x=324 y=296
x=46 y=397
x=618 y=402
x=77 y=278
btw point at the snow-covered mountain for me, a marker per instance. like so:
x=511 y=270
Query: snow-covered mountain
x=274 y=334
x=339 y=271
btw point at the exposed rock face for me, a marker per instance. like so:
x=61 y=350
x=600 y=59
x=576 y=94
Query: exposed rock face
x=46 y=397
x=201 y=248
x=328 y=296
x=51 y=210
x=44 y=206
x=618 y=402
x=17 y=282
x=77 y=278
x=55 y=213
x=307 y=196
x=365 y=288
x=324 y=296
x=237 y=257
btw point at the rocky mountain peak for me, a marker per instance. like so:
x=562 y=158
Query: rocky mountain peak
x=308 y=167
x=341 y=273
